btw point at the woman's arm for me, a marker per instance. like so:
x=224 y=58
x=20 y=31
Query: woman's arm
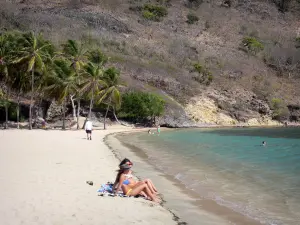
x=120 y=183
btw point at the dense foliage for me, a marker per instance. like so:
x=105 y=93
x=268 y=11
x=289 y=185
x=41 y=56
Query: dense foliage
x=154 y=12
x=138 y=106
x=31 y=65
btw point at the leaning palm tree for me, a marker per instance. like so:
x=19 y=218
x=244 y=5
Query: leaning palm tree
x=62 y=83
x=111 y=94
x=36 y=51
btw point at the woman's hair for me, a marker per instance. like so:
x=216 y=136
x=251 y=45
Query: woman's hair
x=120 y=171
x=124 y=161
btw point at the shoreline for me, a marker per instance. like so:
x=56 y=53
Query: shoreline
x=208 y=210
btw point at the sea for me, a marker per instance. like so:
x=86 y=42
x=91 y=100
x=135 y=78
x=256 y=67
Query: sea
x=232 y=167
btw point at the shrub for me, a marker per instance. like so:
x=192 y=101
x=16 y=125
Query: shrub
x=192 y=18
x=252 y=45
x=149 y=15
x=154 y=12
x=280 y=110
x=140 y=106
x=204 y=76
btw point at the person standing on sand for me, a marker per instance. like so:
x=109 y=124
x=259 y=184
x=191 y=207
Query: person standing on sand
x=88 y=129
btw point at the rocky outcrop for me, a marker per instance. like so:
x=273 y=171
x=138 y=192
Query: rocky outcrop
x=175 y=116
x=294 y=113
x=204 y=110
x=229 y=109
x=54 y=112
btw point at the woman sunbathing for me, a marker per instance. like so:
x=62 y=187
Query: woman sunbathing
x=131 y=182
x=122 y=182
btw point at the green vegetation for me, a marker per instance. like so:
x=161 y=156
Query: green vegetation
x=154 y=12
x=280 y=110
x=204 y=76
x=252 y=45
x=140 y=106
x=192 y=18
x=31 y=65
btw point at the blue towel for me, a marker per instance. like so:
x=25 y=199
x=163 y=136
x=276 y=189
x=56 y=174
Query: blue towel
x=106 y=188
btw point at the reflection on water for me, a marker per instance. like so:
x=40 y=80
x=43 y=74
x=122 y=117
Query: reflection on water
x=232 y=167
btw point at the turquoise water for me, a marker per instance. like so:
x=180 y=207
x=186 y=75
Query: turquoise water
x=231 y=167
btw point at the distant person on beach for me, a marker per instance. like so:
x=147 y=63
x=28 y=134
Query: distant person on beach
x=122 y=182
x=88 y=129
x=131 y=182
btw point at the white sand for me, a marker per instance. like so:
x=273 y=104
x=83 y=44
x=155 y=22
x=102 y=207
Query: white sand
x=43 y=175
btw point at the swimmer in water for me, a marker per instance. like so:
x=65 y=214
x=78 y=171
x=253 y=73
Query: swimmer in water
x=264 y=143
x=158 y=129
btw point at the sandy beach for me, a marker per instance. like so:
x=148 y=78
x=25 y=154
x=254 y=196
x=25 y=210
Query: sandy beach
x=43 y=178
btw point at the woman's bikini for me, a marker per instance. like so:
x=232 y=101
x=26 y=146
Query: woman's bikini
x=127 y=182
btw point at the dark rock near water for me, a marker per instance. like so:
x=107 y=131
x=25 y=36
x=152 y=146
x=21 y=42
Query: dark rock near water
x=294 y=113
x=176 y=117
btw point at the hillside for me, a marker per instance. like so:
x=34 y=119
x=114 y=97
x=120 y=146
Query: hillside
x=239 y=63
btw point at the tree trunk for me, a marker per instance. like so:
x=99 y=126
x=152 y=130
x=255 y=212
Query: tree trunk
x=18 y=112
x=64 y=115
x=73 y=106
x=78 y=110
x=91 y=104
x=115 y=115
x=6 y=110
x=31 y=99
x=106 y=116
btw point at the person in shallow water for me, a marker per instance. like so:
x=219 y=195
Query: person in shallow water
x=122 y=182
x=158 y=129
x=131 y=182
x=264 y=143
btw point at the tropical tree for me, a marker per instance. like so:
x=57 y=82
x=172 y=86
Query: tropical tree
x=36 y=51
x=93 y=82
x=111 y=94
x=8 y=45
x=62 y=83
x=76 y=52
x=21 y=84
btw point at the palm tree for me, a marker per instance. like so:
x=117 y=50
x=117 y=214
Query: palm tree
x=35 y=50
x=21 y=84
x=7 y=48
x=111 y=92
x=77 y=54
x=93 y=82
x=62 y=83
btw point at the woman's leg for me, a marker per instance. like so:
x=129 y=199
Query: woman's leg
x=151 y=185
x=142 y=187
